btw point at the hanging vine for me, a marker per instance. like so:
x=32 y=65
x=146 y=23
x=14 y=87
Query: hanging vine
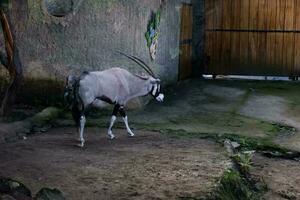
x=153 y=33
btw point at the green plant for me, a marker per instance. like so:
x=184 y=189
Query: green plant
x=153 y=28
x=244 y=161
x=234 y=187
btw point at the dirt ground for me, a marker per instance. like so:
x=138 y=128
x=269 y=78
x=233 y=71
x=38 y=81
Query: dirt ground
x=148 y=166
x=281 y=176
x=156 y=166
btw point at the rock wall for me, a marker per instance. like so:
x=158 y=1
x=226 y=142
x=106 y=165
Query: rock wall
x=87 y=37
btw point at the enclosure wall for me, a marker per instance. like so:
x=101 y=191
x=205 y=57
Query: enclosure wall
x=87 y=38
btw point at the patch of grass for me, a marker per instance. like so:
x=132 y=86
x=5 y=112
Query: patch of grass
x=278 y=129
x=235 y=187
x=244 y=161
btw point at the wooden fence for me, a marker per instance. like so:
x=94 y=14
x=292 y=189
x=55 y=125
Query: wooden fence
x=252 y=37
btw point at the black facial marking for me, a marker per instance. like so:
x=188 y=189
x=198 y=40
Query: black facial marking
x=157 y=91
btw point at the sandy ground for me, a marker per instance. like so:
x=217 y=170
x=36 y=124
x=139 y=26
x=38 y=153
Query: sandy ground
x=147 y=166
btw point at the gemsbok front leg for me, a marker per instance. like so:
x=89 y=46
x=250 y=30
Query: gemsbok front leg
x=125 y=119
x=81 y=130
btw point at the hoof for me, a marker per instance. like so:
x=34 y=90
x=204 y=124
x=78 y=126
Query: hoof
x=131 y=135
x=111 y=137
x=80 y=145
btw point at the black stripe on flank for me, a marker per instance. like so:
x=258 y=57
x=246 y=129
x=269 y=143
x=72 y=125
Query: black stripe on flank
x=105 y=99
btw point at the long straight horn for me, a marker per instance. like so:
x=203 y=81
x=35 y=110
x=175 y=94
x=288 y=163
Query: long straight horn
x=147 y=66
x=139 y=62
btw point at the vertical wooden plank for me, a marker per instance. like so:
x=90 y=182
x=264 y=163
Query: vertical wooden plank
x=270 y=54
x=296 y=69
x=261 y=60
x=216 y=59
x=253 y=36
x=245 y=5
x=209 y=14
x=289 y=14
x=218 y=14
x=226 y=45
x=280 y=20
x=289 y=39
x=262 y=7
x=235 y=36
x=271 y=37
x=226 y=14
x=270 y=16
x=185 y=69
x=209 y=50
x=288 y=52
x=253 y=16
x=297 y=15
x=209 y=24
x=244 y=36
x=280 y=14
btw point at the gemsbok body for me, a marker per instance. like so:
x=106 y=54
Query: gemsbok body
x=115 y=86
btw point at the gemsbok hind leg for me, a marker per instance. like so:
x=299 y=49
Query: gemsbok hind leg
x=112 y=121
x=125 y=119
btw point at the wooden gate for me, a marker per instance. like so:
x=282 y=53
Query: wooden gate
x=186 y=33
x=252 y=37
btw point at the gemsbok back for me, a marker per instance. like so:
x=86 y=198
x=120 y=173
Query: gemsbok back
x=115 y=86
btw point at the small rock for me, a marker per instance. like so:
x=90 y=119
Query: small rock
x=49 y=194
x=235 y=145
x=14 y=188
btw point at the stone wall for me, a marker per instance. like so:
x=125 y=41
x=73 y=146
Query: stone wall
x=88 y=36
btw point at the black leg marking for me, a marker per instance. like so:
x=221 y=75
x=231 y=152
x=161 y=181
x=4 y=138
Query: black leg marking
x=116 y=110
x=122 y=111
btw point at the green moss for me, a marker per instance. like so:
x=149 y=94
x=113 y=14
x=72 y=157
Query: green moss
x=247 y=143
